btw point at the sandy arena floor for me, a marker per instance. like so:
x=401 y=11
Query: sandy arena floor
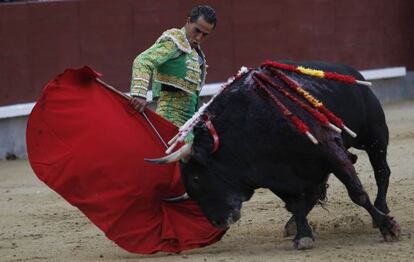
x=38 y=225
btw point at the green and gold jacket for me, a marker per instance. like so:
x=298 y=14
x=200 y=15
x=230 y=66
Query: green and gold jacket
x=170 y=61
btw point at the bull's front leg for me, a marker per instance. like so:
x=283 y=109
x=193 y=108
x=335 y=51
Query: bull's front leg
x=290 y=227
x=300 y=206
x=318 y=196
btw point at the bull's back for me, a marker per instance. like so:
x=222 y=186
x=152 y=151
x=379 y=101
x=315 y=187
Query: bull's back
x=355 y=104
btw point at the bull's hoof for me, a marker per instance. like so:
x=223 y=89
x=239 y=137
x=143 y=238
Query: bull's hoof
x=390 y=230
x=303 y=243
x=290 y=228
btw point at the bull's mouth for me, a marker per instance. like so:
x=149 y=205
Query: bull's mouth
x=232 y=218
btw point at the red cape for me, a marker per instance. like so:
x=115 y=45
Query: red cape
x=88 y=145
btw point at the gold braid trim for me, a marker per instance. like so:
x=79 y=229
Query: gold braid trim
x=176 y=82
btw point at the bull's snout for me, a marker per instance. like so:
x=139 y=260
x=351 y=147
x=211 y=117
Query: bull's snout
x=224 y=222
x=219 y=223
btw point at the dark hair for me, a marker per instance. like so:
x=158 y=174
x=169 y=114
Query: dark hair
x=203 y=10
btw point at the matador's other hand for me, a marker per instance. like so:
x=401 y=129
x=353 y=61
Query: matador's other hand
x=138 y=103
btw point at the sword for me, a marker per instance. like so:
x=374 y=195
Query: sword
x=127 y=97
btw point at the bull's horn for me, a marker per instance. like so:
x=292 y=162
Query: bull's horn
x=183 y=152
x=177 y=199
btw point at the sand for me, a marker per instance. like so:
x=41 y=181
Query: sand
x=36 y=224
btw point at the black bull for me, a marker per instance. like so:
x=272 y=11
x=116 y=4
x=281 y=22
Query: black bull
x=260 y=148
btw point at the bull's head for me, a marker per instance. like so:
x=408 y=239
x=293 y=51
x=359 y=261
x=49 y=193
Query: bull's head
x=206 y=184
x=217 y=179
x=213 y=184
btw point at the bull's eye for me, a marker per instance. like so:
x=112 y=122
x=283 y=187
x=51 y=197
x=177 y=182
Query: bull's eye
x=194 y=182
x=195 y=179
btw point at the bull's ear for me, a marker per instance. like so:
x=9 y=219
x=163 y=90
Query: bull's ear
x=201 y=144
x=199 y=157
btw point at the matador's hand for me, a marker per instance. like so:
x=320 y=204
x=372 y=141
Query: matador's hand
x=138 y=103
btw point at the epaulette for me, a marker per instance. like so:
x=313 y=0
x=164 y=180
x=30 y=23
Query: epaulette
x=178 y=37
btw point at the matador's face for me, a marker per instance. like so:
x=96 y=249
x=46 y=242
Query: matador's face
x=197 y=31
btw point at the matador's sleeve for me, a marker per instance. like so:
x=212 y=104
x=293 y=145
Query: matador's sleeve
x=145 y=63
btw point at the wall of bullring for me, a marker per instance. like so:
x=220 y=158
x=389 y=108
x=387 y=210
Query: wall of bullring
x=39 y=39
